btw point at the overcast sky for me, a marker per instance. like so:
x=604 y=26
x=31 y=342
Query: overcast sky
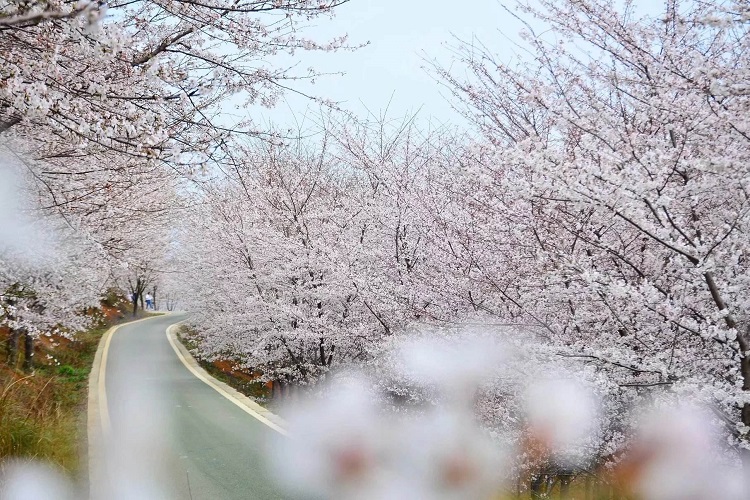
x=402 y=35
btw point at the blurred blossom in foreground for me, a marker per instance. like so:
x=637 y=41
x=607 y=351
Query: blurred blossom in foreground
x=21 y=236
x=562 y=418
x=337 y=448
x=137 y=449
x=456 y=368
x=676 y=456
x=346 y=446
x=33 y=481
x=352 y=443
x=445 y=455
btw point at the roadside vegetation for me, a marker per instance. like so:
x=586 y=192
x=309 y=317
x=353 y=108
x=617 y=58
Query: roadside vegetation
x=228 y=371
x=43 y=410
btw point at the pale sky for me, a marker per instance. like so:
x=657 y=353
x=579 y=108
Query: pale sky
x=402 y=35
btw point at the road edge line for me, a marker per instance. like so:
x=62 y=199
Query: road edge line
x=97 y=409
x=233 y=395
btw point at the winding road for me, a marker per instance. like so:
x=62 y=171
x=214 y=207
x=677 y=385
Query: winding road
x=157 y=430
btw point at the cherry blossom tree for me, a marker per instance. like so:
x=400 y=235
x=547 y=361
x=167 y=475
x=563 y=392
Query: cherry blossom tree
x=263 y=248
x=625 y=141
x=50 y=273
x=107 y=102
x=109 y=106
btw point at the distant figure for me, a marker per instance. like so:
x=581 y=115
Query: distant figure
x=149 y=301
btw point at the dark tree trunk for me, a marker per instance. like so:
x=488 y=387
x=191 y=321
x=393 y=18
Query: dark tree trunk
x=565 y=486
x=538 y=486
x=742 y=340
x=588 y=490
x=7 y=122
x=28 y=357
x=154 y=301
x=13 y=338
x=135 y=304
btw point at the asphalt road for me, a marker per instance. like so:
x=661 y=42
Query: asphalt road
x=173 y=436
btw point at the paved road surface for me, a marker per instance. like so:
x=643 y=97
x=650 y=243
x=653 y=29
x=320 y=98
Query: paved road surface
x=174 y=436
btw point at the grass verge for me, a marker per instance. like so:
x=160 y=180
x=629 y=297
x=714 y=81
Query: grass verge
x=43 y=413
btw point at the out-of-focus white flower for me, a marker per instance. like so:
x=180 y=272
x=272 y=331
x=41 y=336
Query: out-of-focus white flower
x=346 y=447
x=446 y=456
x=678 y=448
x=563 y=416
x=455 y=366
x=335 y=446
x=33 y=481
x=134 y=463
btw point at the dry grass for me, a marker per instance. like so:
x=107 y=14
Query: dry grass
x=42 y=414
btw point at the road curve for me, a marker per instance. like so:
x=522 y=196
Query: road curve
x=171 y=435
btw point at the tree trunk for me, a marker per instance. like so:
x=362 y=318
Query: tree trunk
x=135 y=304
x=13 y=337
x=588 y=488
x=154 y=301
x=565 y=486
x=538 y=486
x=743 y=339
x=744 y=342
x=28 y=357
